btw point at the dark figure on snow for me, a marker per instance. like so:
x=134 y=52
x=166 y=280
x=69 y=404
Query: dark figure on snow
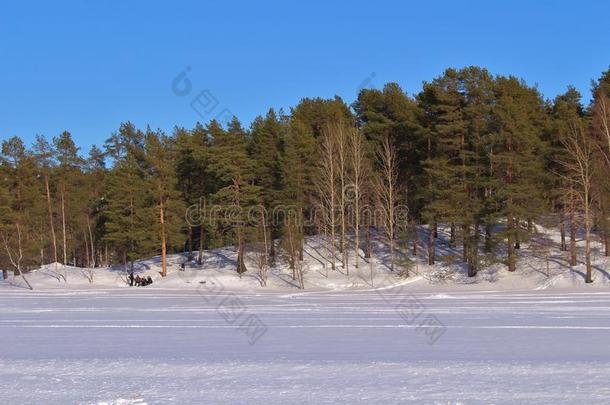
x=138 y=281
x=131 y=279
x=149 y=280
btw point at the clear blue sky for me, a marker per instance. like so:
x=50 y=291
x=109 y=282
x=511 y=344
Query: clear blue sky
x=87 y=66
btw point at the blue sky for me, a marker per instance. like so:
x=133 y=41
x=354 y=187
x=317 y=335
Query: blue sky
x=86 y=67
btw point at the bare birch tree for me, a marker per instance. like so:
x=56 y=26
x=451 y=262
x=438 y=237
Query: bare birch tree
x=341 y=143
x=291 y=248
x=359 y=176
x=601 y=128
x=387 y=192
x=15 y=253
x=579 y=167
x=326 y=184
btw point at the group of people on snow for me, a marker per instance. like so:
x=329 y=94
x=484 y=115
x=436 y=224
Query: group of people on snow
x=138 y=281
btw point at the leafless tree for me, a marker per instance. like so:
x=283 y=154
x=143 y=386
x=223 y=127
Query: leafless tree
x=291 y=247
x=341 y=143
x=326 y=184
x=579 y=166
x=387 y=192
x=15 y=252
x=601 y=129
x=358 y=181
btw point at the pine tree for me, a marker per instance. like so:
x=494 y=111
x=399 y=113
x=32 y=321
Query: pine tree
x=298 y=165
x=129 y=208
x=566 y=111
x=68 y=169
x=233 y=167
x=266 y=150
x=22 y=208
x=519 y=122
x=161 y=176
x=600 y=126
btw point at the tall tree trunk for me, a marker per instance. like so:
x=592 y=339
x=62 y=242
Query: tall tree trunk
x=473 y=266
x=357 y=227
x=487 y=242
x=562 y=230
x=190 y=242
x=91 y=240
x=572 y=239
x=301 y=238
x=589 y=277
x=162 y=234
x=201 y=244
x=50 y=211
x=88 y=257
x=63 y=224
x=431 y=246
x=241 y=266
x=272 y=252
x=415 y=240
x=512 y=259
x=588 y=226
x=517 y=234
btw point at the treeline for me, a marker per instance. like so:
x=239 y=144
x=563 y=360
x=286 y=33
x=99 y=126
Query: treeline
x=487 y=156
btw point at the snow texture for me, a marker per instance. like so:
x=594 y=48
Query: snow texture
x=206 y=336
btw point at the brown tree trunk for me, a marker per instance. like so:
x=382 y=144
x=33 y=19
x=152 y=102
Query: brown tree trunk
x=241 y=265
x=512 y=260
x=415 y=240
x=91 y=240
x=271 y=247
x=562 y=230
x=431 y=246
x=517 y=234
x=50 y=210
x=190 y=242
x=162 y=234
x=589 y=277
x=63 y=225
x=87 y=250
x=301 y=244
x=572 y=240
x=201 y=244
x=465 y=242
x=487 y=238
x=473 y=266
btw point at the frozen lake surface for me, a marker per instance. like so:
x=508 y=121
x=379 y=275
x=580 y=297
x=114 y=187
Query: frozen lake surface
x=160 y=346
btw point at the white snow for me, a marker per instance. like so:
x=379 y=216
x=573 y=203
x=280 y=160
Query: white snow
x=162 y=346
x=499 y=338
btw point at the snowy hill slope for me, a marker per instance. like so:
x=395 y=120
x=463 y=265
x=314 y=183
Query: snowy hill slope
x=536 y=269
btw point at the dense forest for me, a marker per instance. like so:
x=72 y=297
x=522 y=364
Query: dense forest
x=486 y=156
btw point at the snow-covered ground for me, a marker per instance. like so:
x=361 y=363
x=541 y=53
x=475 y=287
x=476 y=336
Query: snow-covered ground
x=204 y=335
x=161 y=346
